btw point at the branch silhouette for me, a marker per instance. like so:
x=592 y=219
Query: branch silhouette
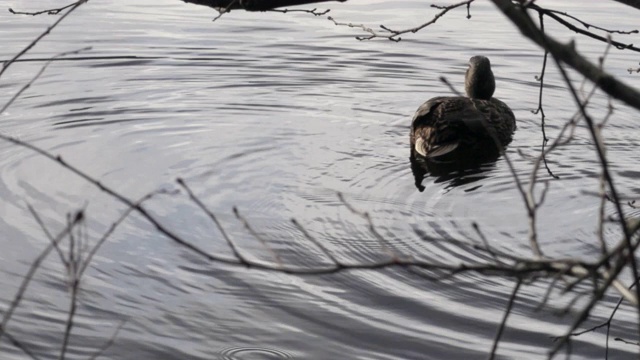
x=599 y=275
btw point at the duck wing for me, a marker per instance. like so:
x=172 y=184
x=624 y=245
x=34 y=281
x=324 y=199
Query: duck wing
x=441 y=124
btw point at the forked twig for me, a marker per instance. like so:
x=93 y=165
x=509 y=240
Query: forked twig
x=365 y=215
x=255 y=234
x=35 y=265
x=317 y=243
x=394 y=35
x=225 y=10
x=234 y=248
x=314 y=11
x=54 y=11
x=33 y=43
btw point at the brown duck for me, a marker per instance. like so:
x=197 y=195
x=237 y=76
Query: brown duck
x=475 y=126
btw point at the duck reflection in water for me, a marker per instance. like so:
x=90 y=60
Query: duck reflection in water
x=457 y=136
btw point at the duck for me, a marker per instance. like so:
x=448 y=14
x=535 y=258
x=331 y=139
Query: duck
x=455 y=128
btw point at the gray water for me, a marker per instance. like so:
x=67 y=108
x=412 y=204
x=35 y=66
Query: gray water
x=275 y=114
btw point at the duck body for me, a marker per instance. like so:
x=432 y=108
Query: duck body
x=461 y=125
x=464 y=128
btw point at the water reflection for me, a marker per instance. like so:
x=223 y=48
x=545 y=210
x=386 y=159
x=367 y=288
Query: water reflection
x=274 y=114
x=459 y=170
x=238 y=353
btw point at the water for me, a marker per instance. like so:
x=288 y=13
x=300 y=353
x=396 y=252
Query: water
x=275 y=114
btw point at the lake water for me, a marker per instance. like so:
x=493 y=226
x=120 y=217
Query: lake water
x=275 y=114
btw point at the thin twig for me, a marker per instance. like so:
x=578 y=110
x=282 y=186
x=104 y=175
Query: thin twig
x=15 y=342
x=214 y=218
x=33 y=43
x=87 y=260
x=540 y=108
x=54 y=11
x=394 y=35
x=547 y=294
x=606 y=323
x=503 y=323
x=73 y=304
x=365 y=215
x=488 y=249
x=588 y=25
x=627 y=341
x=110 y=342
x=225 y=10
x=121 y=198
x=313 y=11
x=568 y=54
x=518 y=269
x=553 y=14
x=35 y=265
x=451 y=88
x=38 y=219
x=617 y=267
x=38 y=74
x=605 y=170
x=255 y=234
x=317 y=243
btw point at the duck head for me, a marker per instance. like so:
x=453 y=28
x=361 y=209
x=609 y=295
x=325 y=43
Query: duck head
x=479 y=82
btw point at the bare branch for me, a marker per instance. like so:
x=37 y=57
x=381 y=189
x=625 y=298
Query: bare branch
x=617 y=267
x=365 y=215
x=632 y=3
x=255 y=234
x=262 y=5
x=110 y=342
x=317 y=243
x=121 y=198
x=586 y=24
x=32 y=270
x=73 y=304
x=484 y=240
x=553 y=14
x=15 y=342
x=503 y=323
x=451 y=88
x=87 y=260
x=394 y=35
x=214 y=218
x=568 y=54
x=314 y=11
x=540 y=109
x=33 y=43
x=51 y=238
x=38 y=74
x=54 y=11
x=607 y=175
x=627 y=341
x=225 y=10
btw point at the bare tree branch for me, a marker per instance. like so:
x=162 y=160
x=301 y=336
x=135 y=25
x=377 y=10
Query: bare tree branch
x=632 y=3
x=554 y=15
x=254 y=5
x=33 y=43
x=54 y=11
x=394 y=35
x=32 y=270
x=568 y=54
x=503 y=323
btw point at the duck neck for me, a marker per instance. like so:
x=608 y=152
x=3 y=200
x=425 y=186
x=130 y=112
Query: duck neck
x=480 y=83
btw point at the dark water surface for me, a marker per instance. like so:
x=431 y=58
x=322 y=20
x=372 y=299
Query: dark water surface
x=276 y=114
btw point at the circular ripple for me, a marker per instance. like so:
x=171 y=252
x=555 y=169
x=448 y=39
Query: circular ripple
x=245 y=353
